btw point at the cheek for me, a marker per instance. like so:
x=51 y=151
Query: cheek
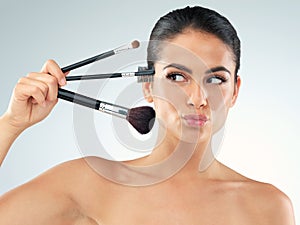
x=219 y=100
x=168 y=96
x=219 y=103
x=164 y=109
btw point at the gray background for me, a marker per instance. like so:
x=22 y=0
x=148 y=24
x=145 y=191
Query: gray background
x=262 y=137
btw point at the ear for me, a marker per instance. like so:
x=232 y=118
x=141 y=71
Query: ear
x=147 y=90
x=236 y=91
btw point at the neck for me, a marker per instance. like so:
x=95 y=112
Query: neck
x=173 y=152
x=171 y=158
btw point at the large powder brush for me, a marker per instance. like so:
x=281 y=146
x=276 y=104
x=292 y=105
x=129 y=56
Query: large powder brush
x=141 y=118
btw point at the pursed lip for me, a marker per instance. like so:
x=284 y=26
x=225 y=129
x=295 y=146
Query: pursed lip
x=195 y=120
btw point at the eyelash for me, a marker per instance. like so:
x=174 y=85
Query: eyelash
x=221 y=78
x=171 y=76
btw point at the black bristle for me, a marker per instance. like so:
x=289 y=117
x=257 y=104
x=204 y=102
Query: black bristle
x=142 y=118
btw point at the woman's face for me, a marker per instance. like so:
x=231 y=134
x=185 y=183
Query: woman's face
x=194 y=86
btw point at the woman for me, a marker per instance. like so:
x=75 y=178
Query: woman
x=196 y=55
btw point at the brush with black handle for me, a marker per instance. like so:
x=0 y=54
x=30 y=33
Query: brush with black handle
x=143 y=75
x=141 y=118
x=134 y=44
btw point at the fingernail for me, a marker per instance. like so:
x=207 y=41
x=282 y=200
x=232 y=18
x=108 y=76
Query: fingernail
x=63 y=81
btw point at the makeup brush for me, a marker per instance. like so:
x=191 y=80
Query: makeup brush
x=141 y=118
x=142 y=72
x=134 y=44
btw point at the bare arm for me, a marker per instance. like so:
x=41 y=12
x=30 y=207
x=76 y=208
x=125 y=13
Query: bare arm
x=46 y=199
x=32 y=100
x=8 y=135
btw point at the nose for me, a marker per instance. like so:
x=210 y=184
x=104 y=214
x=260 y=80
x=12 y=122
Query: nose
x=196 y=96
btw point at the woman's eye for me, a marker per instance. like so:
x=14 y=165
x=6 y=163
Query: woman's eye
x=216 y=80
x=176 y=77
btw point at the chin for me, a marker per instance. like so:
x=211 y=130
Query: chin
x=194 y=134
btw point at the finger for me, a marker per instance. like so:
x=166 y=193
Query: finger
x=23 y=92
x=34 y=85
x=51 y=67
x=50 y=81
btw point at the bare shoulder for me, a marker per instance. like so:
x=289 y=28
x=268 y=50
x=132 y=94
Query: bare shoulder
x=73 y=178
x=61 y=195
x=48 y=198
x=274 y=205
x=55 y=179
x=261 y=200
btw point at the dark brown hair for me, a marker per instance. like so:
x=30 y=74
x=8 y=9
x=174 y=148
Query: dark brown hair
x=198 y=18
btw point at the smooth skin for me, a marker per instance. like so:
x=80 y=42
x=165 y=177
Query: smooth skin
x=73 y=193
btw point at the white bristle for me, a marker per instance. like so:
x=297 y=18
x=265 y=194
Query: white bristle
x=144 y=79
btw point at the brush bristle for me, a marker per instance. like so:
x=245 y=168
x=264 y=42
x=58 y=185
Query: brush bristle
x=135 y=44
x=145 y=78
x=142 y=118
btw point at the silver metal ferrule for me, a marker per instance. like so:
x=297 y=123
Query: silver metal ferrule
x=114 y=110
x=123 y=48
x=128 y=74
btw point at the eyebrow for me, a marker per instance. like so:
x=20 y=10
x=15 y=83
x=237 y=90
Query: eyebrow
x=180 y=67
x=188 y=70
x=216 y=69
